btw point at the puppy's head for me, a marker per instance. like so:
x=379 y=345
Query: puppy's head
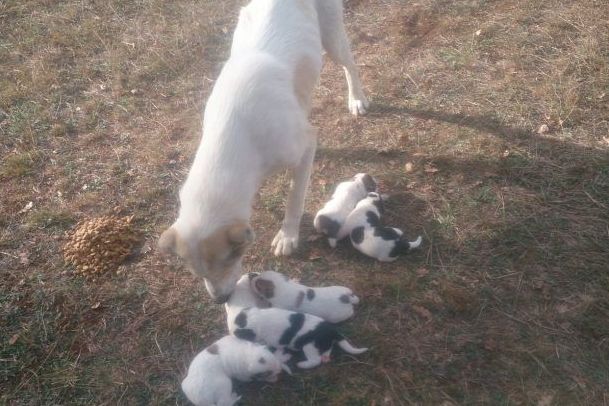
x=368 y=181
x=263 y=365
x=375 y=199
x=244 y=296
x=215 y=257
x=267 y=283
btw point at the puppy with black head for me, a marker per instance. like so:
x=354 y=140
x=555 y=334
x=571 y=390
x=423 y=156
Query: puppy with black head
x=210 y=374
x=370 y=237
x=284 y=329
x=331 y=218
x=331 y=303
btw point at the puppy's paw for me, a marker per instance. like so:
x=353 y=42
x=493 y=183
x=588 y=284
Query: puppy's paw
x=308 y=364
x=358 y=106
x=284 y=243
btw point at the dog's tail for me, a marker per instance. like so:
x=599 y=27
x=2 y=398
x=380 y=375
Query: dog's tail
x=404 y=245
x=353 y=299
x=347 y=347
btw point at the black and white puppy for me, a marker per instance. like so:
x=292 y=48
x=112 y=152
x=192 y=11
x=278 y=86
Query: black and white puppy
x=283 y=329
x=330 y=219
x=370 y=237
x=331 y=303
x=210 y=374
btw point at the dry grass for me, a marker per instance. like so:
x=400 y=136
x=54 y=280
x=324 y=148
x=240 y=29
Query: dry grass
x=505 y=304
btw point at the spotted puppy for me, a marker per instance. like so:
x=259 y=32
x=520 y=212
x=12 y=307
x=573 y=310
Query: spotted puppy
x=284 y=329
x=332 y=303
x=330 y=219
x=208 y=381
x=370 y=237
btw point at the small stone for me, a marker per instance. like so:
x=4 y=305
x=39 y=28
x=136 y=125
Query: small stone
x=543 y=129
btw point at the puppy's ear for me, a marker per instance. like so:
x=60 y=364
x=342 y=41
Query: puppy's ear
x=240 y=234
x=167 y=242
x=265 y=288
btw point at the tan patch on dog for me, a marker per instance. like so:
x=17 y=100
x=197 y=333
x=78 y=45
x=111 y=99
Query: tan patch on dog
x=213 y=257
x=265 y=288
x=299 y=299
x=213 y=349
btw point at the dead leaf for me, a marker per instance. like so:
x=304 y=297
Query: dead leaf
x=408 y=167
x=546 y=400
x=422 y=272
x=314 y=237
x=23 y=259
x=96 y=305
x=26 y=208
x=14 y=339
x=423 y=312
x=429 y=168
x=478 y=33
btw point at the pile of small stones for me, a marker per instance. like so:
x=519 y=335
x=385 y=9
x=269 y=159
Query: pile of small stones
x=99 y=245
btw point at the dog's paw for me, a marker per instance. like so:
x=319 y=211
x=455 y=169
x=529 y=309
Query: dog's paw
x=358 y=106
x=308 y=364
x=284 y=243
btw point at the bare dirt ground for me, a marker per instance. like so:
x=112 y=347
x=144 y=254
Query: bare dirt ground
x=506 y=304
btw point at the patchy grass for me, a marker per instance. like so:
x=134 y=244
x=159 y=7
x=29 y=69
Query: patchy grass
x=504 y=304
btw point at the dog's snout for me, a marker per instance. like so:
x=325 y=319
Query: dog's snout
x=221 y=299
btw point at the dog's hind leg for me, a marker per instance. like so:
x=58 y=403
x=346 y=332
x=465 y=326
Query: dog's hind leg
x=312 y=355
x=335 y=42
x=286 y=240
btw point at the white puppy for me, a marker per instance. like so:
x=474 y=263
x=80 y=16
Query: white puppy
x=331 y=303
x=256 y=123
x=331 y=218
x=370 y=237
x=284 y=329
x=208 y=381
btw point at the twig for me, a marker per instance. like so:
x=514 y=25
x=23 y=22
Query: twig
x=595 y=201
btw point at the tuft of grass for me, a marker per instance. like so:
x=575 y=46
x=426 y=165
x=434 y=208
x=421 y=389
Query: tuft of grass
x=18 y=165
x=51 y=219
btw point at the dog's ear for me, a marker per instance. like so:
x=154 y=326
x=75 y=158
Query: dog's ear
x=167 y=241
x=265 y=288
x=240 y=234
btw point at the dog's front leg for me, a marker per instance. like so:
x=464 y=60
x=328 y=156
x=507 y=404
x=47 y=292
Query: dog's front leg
x=286 y=240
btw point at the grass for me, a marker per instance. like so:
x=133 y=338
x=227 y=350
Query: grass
x=504 y=304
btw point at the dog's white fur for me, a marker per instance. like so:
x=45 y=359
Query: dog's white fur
x=331 y=303
x=358 y=216
x=208 y=381
x=243 y=296
x=370 y=237
x=270 y=324
x=255 y=123
x=331 y=218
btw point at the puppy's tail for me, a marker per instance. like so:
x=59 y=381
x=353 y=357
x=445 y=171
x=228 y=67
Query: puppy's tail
x=405 y=245
x=347 y=347
x=353 y=299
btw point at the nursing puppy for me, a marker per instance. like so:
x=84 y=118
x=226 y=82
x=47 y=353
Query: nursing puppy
x=332 y=303
x=371 y=238
x=331 y=218
x=208 y=381
x=255 y=124
x=284 y=329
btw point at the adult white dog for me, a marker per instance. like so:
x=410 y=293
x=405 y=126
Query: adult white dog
x=255 y=123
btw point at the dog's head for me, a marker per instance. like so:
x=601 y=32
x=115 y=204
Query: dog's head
x=375 y=199
x=262 y=364
x=267 y=283
x=368 y=181
x=215 y=257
